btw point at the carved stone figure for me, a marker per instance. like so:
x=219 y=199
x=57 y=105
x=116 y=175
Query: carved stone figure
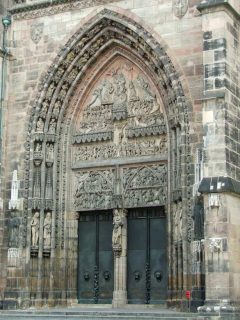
x=49 y=151
x=47 y=229
x=44 y=110
x=52 y=126
x=118 y=221
x=40 y=125
x=35 y=229
x=38 y=147
x=120 y=96
x=56 y=109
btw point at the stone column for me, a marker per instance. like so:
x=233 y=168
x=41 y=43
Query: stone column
x=119 y=243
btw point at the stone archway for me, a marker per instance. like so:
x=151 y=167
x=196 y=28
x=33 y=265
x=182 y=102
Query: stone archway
x=77 y=69
x=119 y=162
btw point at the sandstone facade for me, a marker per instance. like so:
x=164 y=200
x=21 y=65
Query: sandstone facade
x=120 y=106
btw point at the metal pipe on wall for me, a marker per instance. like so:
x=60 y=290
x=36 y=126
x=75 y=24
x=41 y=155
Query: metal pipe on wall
x=6 y=21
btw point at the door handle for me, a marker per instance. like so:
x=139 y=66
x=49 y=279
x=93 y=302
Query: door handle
x=137 y=275
x=106 y=275
x=86 y=276
x=158 y=275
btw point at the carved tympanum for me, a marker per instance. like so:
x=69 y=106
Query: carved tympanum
x=122 y=117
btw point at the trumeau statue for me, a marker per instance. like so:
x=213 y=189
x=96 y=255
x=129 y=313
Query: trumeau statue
x=119 y=216
x=35 y=229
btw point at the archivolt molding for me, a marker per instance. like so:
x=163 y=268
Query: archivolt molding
x=51 y=115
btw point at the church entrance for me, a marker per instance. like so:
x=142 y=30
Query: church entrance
x=95 y=262
x=147 y=256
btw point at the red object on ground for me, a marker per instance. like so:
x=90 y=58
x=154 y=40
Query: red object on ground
x=188 y=294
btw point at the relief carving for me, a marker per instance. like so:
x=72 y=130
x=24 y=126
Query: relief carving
x=94 y=189
x=145 y=186
x=135 y=148
x=123 y=94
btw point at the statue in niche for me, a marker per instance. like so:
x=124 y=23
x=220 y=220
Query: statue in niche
x=44 y=110
x=47 y=230
x=56 y=109
x=35 y=229
x=40 y=125
x=50 y=90
x=52 y=126
x=14 y=223
x=38 y=147
x=49 y=151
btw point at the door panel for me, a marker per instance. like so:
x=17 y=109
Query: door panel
x=105 y=260
x=147 y=259
x=95 y=264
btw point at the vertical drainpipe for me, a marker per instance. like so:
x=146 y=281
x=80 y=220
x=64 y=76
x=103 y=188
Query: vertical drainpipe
x=6 y=21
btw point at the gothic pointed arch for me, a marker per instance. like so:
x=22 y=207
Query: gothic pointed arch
x=115 y=45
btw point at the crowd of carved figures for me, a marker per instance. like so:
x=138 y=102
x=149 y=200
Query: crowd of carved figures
x=143 y=185
x=136 y=148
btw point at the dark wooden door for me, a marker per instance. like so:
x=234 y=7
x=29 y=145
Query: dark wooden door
x=95 y=263
x=147 y=256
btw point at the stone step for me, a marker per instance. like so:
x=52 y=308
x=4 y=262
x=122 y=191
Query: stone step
x=97 y=315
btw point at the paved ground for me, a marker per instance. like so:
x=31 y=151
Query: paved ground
x=95 y=314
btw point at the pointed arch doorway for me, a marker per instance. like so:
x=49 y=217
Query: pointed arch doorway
x=119 y=155
x=108 y=132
